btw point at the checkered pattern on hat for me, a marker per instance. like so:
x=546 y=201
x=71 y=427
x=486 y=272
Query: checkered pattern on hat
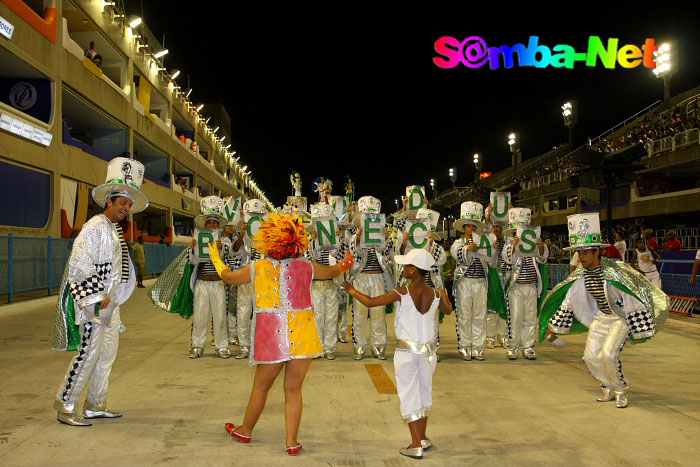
x=562 y=319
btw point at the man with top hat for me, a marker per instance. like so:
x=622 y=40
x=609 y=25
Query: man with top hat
x=254 y=211
x=496 y=326
x=324 y=292
x=471 y=283
x=524 y=286
x=99 y=278
x=371 y=275
x=610 y=299
x=209 y=290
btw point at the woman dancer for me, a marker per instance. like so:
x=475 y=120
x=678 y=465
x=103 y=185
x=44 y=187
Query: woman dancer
x=284 y=330
x=415 y=356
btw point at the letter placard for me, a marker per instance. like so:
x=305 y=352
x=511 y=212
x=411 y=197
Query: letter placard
x=254 y=224
x=326 y=235
x=486 y=248
x=340 y=208
x=203 y=237
x=416 y=197
x=527 y=235
x=418 y=230
x=500 y=200
x=373 y=231
x=232 y=210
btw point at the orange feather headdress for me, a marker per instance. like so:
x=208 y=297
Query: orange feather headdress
x=281 y=236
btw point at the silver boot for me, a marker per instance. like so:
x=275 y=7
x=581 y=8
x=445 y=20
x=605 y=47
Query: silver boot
x=223 y=353
x=529 y=353
x=244 y=353
x=98 y=411
x=359 y=352
x=329 y=355
x=416 y=453
x=465 y=353
x=512 y=354
x=72 y=419
x=608 y=395
x=505 y=342
x=490 y=342
x=478 y=355
x=196 y=352
x=621 y=398
x=381 y=353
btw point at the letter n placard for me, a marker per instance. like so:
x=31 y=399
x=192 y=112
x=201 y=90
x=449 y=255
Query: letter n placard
x=326 y=234
x=373 y=231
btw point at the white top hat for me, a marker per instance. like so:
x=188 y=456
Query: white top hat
x=517 y=217
x=319 y=210
x=211 y=207
x=252 y=208
x=364 y=205
x=584 y=231
x=432 y=217
x=124 y=178
x=418 y=258
x=470 y=212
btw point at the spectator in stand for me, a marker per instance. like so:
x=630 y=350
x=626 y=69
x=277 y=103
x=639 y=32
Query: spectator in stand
x=162 y=239
x=98 y=61
x=620 y=245
x=672 y=243
x=611 y=251
x=651 y=241
x=644 y=260
x=90 y=52
x=696 y=266
x=554 y=251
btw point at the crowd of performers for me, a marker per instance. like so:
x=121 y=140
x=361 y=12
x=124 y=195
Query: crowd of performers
x=287 y=286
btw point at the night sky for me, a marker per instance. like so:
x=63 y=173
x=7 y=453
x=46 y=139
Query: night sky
x=334 y=92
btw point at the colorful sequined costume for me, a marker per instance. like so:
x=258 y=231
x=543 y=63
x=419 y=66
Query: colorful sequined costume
x=283 y=319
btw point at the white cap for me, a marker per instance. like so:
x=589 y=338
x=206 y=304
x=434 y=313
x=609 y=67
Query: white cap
x=418 y=258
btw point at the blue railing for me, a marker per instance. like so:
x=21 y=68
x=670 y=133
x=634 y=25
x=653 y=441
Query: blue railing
x=35 y=263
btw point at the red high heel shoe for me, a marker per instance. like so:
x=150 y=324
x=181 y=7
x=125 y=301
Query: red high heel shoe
x=231 y=430
x=294 y=450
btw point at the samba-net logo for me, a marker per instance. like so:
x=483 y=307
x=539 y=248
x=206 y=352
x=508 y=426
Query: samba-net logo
x=473 y=52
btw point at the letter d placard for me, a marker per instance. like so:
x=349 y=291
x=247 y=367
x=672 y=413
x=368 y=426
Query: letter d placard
x=373 y=231
x=416 y=197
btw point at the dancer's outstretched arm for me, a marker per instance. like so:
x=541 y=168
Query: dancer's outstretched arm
x=322 y=272
x=239 y=277
x=371 y=302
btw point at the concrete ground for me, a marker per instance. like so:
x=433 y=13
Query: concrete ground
x=495 y=412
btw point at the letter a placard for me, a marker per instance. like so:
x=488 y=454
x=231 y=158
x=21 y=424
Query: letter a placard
x=373 y=231
x=500 y=200
x=486 y=246
x=326 y=234
x=203 y=238
x=527 y=235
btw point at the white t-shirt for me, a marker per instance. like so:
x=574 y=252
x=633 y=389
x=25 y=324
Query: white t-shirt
x=645 y=260
x=697 y=256
x=622 y=248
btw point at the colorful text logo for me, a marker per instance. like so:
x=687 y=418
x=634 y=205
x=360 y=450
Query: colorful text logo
x=473 y=52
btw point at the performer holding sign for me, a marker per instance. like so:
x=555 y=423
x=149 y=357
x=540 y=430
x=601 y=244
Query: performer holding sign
x=254 y=213
x=497 y=319
x=526 y=282
x=325 y=248
x=371 y=275
x=209 y=291
x=474 y=254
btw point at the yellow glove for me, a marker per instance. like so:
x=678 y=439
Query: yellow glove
x=216 y=260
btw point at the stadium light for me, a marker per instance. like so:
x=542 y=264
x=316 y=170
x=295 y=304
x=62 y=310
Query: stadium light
x=161 y=53
x=199 y=107
x=568 y=111
x=664 y=67
x=174 y=74
x=134 y=21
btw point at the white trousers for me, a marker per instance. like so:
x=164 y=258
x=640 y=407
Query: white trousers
x=522 y=299
x=244 y=314
x=654 y=277
x=324 y=297
x=344 y=311
x=231 y=325
x=414 y=384
x=92 y=366
x=607 y=336
x=371 y=285
x=471 y=313
x=496 y=326
x=209 y=300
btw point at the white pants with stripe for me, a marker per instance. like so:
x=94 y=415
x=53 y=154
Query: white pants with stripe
x=244 y=314
x=522 y=299
x=607 y=336
x=471 y=313
x=209 y=300
x=371 y=285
